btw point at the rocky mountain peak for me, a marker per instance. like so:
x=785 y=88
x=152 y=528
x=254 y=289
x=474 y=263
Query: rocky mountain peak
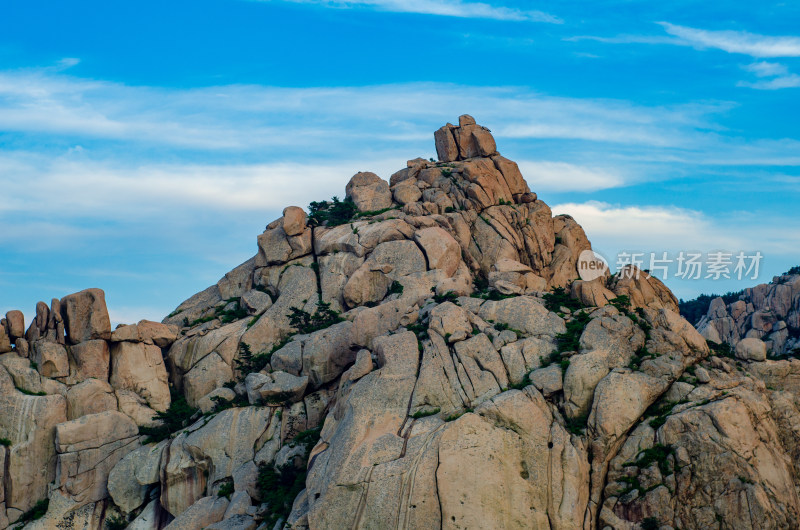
x=418 y=355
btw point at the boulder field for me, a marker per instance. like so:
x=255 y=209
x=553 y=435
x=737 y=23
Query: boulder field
x=420 y=354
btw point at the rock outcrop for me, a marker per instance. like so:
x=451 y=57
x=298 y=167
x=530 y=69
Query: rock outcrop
x=418 y=355
x=65 y=421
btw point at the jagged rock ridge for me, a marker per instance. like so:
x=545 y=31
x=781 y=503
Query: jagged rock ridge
x=422 y=330
x=768 y=313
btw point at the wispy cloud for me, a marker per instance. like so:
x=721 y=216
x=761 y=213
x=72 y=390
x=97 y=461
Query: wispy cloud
x=246 y=118
x=627 y=38
x=766 y=69
x=730 y=41
x=90 y=189
x=561 y=176
x=449 y=8
x=739 y=42
x=649 y=228
x=787 y=81
x=645 y=227
x=772 y=76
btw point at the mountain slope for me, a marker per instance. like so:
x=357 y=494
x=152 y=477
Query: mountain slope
x=418 y=355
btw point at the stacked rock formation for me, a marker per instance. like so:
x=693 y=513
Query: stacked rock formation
x=419 y=355
x=73 y=396
x=765 y=318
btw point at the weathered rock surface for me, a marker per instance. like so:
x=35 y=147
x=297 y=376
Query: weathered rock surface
x=140 y=368
x=448 y=389
x=769 y=312
x=369 y=192
x=86 y=316
x=88 y=448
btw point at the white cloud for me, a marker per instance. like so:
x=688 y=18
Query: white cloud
x=667 y=228
x=264 y=119
x=561 y=176
x=624 y=39
x=766 y=69
x=66 y=63
x=779 y=74
x=735 y=41
x=777 y=83
x=449 y=8
x=92 y=189
x=647 y=228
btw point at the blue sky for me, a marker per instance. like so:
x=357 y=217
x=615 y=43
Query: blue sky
x=143 y=146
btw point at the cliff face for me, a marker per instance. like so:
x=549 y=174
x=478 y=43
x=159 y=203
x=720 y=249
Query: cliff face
x=418 y=355
x=768 y=312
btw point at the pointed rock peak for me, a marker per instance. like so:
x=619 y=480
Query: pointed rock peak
x=465 y=119
x=468 y=140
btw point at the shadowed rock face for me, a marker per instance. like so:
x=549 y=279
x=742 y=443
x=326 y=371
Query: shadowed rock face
x=768 y=313
x=425 y=336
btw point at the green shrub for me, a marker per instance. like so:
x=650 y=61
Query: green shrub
x=491 y=294
x=526 y=380
x=29 y=393
x=178 y=416
x=639 y=357
x=117 y=522
x=419 y=329
x=503 y=326
x=560 y=298
x=622 y=303
x=449 y=296
x=247 y=362
x=37 y=512
x=324 y=317
x=395 y=288
x=723 y=349
x=199 y=321
x=632 y=484
x=457 y=415
x=660 y=411
x=425 y=413
x=5 y=441
x=223 y=404
x=371 y=213
x=650 y=523
x=331 y=213
x=279 y=486
x=657 y=454
x=484 y=292
x=554 y=357
x=570 y=339
x=576 y=425
x=307 y=438
x=231 y=315
x=226 y=489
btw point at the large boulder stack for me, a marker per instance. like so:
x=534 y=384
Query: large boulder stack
x=418 y=355
x=72 y=399
x=769 y=312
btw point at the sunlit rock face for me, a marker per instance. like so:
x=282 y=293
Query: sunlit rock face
x=420 y=354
